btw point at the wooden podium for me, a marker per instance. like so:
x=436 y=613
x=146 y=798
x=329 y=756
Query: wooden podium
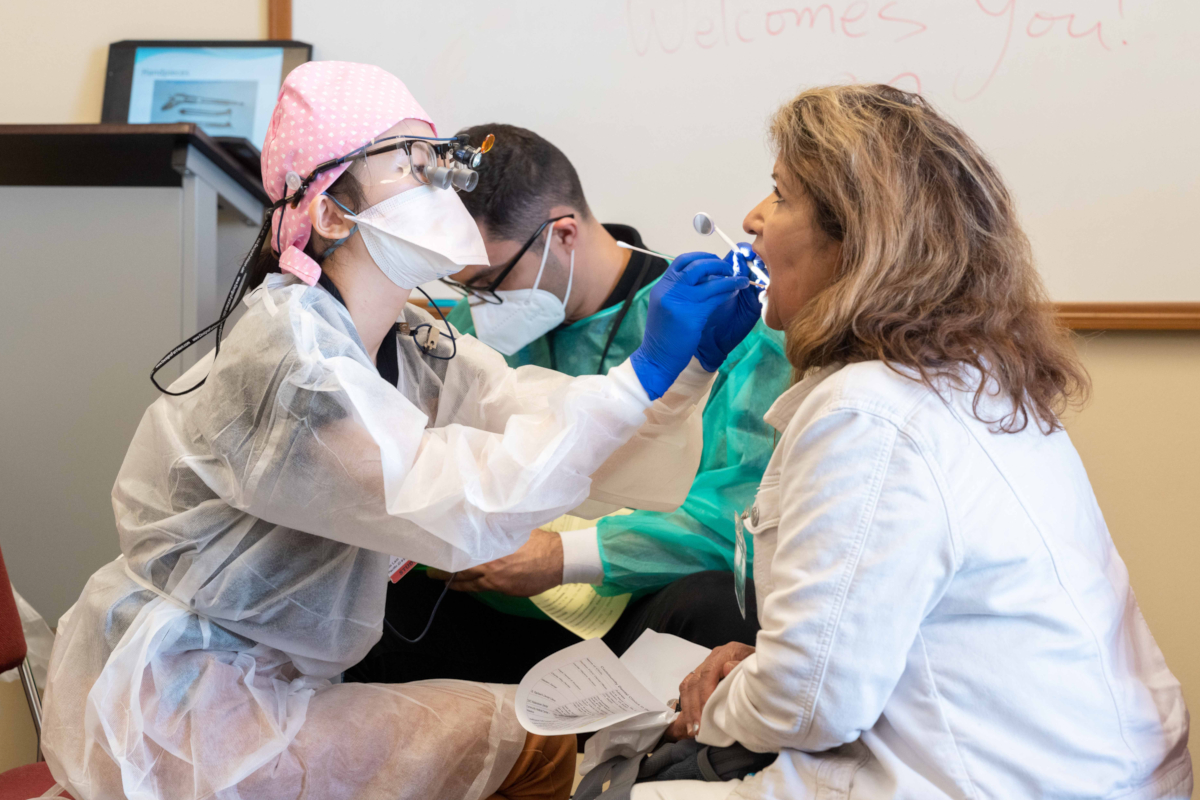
x=118 y=242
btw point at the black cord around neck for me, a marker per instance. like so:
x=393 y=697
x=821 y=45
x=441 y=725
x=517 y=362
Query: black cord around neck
x=616 y=326
x=432 y=614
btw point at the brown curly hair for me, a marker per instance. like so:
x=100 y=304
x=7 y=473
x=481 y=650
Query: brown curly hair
x=936 y=273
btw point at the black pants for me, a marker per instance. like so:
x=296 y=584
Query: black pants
x=471 y=641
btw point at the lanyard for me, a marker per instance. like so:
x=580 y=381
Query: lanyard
x=616 y=326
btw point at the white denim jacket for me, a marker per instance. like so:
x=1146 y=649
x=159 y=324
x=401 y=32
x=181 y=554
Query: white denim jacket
x=943 y=612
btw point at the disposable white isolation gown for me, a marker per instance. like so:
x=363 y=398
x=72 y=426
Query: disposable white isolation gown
x=256 y=519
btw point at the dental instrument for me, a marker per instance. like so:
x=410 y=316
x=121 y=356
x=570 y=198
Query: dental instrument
x=648 y=252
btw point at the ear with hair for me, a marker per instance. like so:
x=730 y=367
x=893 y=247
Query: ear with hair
x=566 y=231
x=328 y=221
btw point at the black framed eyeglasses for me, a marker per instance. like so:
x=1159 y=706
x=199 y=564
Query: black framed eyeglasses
x=487 y=293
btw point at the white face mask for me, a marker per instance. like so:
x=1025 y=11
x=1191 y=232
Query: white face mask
x=524 y=315
x=420 y=236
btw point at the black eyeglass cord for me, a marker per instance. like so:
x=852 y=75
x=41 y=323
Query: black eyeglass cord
x=235 y=294
x=231 y=301
x=428 y=623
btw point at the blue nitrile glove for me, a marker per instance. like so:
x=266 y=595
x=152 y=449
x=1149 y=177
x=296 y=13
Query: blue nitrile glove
x=732 y=321
x=694 y=286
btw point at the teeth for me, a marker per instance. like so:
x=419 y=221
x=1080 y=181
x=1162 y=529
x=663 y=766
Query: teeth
x=756 y=266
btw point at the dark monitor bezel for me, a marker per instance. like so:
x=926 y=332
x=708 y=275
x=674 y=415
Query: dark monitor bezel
x=118 y=80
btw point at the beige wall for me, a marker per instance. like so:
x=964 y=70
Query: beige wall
x=54 y=53
x=17 y=741
x=1140 y=441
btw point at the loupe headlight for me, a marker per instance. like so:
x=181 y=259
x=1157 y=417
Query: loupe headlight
x=462 y=160
x=468 y=156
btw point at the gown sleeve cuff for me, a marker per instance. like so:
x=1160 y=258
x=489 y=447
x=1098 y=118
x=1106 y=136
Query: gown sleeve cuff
x=627 y=379
x=581 y=557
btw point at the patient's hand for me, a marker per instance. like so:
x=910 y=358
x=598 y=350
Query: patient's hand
x=533 y=569
x=699 y=685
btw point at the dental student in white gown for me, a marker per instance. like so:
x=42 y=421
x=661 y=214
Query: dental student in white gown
x=336 y=436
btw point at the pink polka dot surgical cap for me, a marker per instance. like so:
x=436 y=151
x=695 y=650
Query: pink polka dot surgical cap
x=325 y=110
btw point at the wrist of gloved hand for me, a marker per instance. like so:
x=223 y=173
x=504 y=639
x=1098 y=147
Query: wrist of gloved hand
x=709 y=357
x=654 y=379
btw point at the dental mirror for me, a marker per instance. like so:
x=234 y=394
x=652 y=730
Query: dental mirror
x=705 y=226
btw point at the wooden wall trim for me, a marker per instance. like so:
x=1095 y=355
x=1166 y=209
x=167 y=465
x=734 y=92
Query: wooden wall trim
x=279 y=19
x=1130 y=316
x=1099 y=316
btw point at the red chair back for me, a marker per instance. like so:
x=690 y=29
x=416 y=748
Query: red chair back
x=12 y=636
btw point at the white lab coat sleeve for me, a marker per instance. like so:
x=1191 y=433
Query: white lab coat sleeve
x=653 y=470
x=863 y=553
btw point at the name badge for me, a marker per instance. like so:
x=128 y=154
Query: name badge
x=399 y=567
x=739 y=561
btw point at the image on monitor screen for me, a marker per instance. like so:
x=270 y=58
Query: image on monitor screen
x=221 y=108
x=226 y=91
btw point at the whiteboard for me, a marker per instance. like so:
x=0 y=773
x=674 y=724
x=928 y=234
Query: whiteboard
x=1090 y=108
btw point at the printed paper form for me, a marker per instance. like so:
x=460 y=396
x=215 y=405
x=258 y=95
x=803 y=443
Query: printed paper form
x=581 y=610
x=582 y=688
x=585 y=687
x=578 y=607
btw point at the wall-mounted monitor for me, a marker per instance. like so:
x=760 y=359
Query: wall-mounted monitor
x=228 y=88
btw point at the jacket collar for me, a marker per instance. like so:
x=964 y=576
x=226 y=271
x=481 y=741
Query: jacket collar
x=782 y=410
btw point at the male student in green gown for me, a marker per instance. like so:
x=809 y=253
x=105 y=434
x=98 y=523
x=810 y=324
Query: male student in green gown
x=587 y=315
